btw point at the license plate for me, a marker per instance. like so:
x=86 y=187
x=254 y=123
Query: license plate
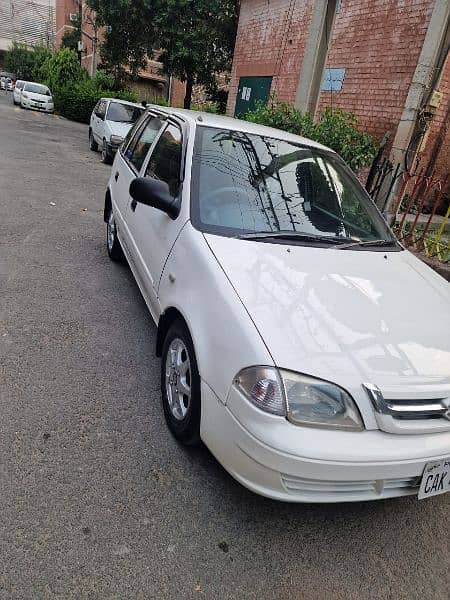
x=435 y=479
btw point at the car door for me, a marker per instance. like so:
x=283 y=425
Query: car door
x=152 y=231
x=127 y=166
x=98 y=121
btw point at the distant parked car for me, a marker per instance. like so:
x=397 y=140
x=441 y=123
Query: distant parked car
x=111 y=120
x=2 y=83
x=37 y=96
x=17 y=93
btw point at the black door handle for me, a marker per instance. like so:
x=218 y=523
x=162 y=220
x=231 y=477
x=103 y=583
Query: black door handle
x=116 y=176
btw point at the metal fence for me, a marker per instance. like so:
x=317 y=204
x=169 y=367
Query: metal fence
x=420 y=206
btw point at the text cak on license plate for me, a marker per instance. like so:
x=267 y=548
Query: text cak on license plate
x=435 y=478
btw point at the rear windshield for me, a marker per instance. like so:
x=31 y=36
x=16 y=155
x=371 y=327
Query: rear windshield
x=123 y=113
x=36 y=88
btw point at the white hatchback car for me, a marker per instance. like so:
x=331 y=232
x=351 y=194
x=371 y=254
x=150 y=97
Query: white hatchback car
x=111 y=120
x=17 y=92
x=37 y=97
x=299 y=340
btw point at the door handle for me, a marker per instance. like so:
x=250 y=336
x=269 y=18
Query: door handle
x=116 y=176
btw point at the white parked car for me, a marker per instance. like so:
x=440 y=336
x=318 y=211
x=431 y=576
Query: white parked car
x=37 y=97
x=111 y=120
x=17 y=93
x=298 y=339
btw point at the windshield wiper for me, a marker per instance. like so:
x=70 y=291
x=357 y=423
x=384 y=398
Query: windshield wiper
x=379 y=243
x=293 y=235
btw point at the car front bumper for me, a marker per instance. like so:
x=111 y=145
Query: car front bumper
x=274 y=458
x=43 y=108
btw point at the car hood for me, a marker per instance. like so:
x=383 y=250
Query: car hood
x=120 y=129
x=337 y=314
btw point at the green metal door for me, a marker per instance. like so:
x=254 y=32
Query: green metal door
x=250 y=90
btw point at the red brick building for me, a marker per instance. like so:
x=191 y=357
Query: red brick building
x=151 y=83
x=379 y=59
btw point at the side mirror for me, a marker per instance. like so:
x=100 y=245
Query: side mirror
x=153 y=192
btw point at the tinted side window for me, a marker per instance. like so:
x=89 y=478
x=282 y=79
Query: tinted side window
x=140 y=145
x=101 y=110
x=165 y=161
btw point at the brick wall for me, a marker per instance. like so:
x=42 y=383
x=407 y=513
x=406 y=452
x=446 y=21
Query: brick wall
x=270 y=41
x=379 y=43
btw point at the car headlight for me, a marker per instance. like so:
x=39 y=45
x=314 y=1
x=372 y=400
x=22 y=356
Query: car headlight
x=24 y=95
x=302 y=399
x=116 y=140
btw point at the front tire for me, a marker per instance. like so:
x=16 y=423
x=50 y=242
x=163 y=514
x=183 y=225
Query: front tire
x=106 y=157
x=92 y=143
x=180 y=385
x=113 y=246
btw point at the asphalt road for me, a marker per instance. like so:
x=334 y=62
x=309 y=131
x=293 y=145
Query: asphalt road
x=97 y=500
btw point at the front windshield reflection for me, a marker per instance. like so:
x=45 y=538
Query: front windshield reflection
x=250 y=183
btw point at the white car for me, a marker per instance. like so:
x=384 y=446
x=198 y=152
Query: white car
x=111 y=120
x=17 y=93
x=299 y=340
x=37 y=97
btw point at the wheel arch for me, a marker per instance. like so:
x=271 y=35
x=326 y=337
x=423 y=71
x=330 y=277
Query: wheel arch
x=108 y=206
x=168 y=317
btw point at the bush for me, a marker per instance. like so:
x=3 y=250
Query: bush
x=77 y=102
x=61 y=69
x=336 y=129
x=26 y=62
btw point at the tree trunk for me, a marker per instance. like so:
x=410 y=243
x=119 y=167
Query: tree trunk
x=188 y=94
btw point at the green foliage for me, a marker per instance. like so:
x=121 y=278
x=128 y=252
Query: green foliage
x=77 y=102
x=61 y=69
x=339 y=130
x=196 y=38
x=160 y=101
x=208 y=107
x=336 y=129
x=132 y=36
x=104 y=81
x=71 y=37
x=25 y=61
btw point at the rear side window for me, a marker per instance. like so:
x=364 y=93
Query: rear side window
x=165 y=161
x=140 y=144
x=20 y=84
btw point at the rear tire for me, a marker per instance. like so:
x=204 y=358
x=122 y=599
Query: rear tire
x=180 y=385
x=106 y=157
x=113 y=246
x=92 y=143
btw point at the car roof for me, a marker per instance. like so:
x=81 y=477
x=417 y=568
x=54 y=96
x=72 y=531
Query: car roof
x=206 y=119
x=135 y=104
x=37 y=83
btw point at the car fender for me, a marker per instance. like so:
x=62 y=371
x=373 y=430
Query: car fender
x=224 y=335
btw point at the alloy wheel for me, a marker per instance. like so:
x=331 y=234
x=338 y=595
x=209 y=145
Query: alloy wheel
x=178 y=379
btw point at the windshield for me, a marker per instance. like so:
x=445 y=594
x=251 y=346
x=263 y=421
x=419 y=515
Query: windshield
x=35 y=88
x=245 y=183
x=123 y=113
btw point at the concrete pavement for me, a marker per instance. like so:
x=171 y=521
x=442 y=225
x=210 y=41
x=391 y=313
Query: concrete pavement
x=97 y=499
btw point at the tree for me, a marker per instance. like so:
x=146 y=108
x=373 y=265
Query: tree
x=71 y=37
x=128 y=36
x=62 y=69
x=25 y=62
x=19 y=60
x=196 y=36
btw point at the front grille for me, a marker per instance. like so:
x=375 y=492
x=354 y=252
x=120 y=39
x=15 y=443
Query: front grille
x=417 y=409
x=370 y=489
x=425 y=415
